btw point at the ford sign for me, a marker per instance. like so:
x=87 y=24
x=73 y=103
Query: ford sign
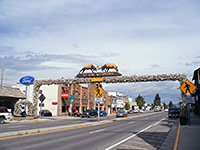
x=27 y=80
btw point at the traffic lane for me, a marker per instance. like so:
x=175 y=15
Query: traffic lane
x=100 y=136
x=18 y=126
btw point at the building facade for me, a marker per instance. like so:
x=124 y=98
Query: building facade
x=196 y=78
x=63 y=100
x=9 y=96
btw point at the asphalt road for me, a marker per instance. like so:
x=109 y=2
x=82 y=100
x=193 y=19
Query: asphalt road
x=18 y=126
x=92 y=137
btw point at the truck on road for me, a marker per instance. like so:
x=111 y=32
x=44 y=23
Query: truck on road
x=4 y=114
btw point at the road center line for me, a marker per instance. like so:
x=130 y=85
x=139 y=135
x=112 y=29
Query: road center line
x=131 y=122
x=133 y=135
x=97 y=131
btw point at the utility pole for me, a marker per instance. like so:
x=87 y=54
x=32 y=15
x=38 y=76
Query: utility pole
x=2 y=77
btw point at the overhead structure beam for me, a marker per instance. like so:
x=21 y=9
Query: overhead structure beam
x=114 y=79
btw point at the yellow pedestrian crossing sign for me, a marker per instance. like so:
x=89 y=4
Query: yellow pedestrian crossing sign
x=98 y=91
x=187 y=87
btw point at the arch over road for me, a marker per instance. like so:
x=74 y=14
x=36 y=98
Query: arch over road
x=119 y=79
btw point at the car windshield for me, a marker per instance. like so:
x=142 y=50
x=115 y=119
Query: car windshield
x=171 y=109
x=3 y=110
x=176 y=109
x=121 y=111
x=46 y=111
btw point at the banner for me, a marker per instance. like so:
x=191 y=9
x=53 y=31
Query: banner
x=72 y=99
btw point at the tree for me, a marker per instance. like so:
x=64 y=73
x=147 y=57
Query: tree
x=170 y=104
x=127 y=106
x=157 y=100
x=164 y=105
x=140 y=101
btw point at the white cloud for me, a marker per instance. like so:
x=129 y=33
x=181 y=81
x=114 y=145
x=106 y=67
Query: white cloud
x=142 y=37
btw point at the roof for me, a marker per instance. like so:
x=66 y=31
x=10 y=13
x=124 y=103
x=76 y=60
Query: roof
x=195 y=75
x=11 y=92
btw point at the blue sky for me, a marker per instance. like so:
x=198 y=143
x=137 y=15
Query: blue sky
x=53 y=39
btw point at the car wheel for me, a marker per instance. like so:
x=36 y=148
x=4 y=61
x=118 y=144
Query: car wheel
x=1 y=120
x=75 y=115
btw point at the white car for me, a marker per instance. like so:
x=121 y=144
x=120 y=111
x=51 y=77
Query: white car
x=166 y=110
x=140 y=111
x=135 y=111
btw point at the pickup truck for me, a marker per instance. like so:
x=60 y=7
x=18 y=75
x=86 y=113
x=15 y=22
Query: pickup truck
x=4 y=114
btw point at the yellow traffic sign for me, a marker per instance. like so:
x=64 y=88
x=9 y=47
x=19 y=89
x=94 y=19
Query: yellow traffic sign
x=98 y=91
x=187 y=87
x=96 y=79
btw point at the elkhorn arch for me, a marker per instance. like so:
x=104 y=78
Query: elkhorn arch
x=118 y=79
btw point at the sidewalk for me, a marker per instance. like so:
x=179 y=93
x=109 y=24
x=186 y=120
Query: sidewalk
x=190 y=134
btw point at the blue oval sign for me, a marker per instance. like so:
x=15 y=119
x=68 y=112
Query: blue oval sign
x=27 y=80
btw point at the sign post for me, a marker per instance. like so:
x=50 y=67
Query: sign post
x=188 y=88
x=98 y=110
x=26 y=80
x=41 y=98
x=98 y=91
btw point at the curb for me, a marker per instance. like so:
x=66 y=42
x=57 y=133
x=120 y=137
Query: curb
x=10 y=121
x=177 y=137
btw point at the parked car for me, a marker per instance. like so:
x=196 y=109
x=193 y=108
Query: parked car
x=140 y=110
x=173 y=112
x=102 y=113
x=77 y=114
x=157 y=109
x=89 y=113
x=131 y=112
x=121 y=113
x=46 y=112
x=166 y=110
x=4 y=114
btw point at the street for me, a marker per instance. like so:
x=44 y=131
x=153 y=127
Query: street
x=51 y=123
x=99 y=136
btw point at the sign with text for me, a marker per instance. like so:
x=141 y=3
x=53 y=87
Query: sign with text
x=27 y=80
x=96 y=79
x=98 y=74
x=188 y=100
x=98 y=100
x=64 y=95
